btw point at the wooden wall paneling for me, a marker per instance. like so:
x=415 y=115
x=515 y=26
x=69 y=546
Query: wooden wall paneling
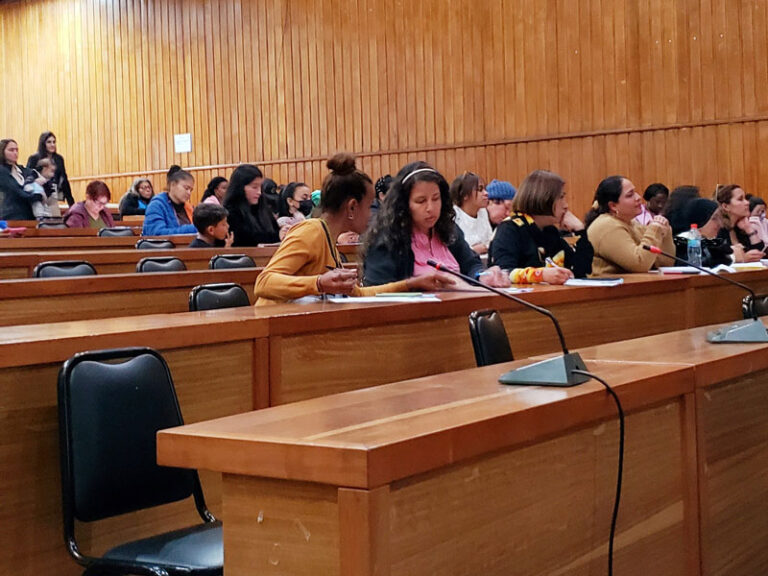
x=735 y=73
x=761 y=55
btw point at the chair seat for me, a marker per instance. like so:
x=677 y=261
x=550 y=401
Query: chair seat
x=199 y=547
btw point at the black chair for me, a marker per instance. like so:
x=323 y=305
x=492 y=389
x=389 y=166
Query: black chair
x=148 y=244
x=489 y=338
x=52 y=225
x=111 y=405
x=760 y=305
x=116 y=231
x=160 y=264
x=226 y=261
x=63 y=268
x=215 y=296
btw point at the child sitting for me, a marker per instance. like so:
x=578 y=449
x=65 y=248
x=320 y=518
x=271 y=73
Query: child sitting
x=40 y=183
x=212 y=227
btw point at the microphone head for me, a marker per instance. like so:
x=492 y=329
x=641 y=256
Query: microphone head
x=654 y=249
x=434 y=264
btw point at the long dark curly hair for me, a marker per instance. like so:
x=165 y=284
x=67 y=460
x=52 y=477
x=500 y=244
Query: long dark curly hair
x=393 y=225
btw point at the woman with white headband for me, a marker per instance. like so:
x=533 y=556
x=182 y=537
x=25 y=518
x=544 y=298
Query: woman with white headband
x=307 y=262
x=416 y=223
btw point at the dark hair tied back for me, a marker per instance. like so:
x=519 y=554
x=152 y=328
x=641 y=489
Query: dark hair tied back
x=345 y=181
x=609 y=190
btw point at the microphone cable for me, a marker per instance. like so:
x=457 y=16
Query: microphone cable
x=620 y=473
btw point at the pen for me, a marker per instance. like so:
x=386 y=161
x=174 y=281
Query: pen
x=551 y=262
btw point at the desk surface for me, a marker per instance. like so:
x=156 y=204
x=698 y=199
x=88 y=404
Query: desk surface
x=374 y=436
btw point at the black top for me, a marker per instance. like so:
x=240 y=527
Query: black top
x=725 y=235
x=181 y=213
x=519 y=243
x=200 y=243
x=247 y=232
x=383 y=265
x=59 y=177
x=129 y=205
x=16 y=201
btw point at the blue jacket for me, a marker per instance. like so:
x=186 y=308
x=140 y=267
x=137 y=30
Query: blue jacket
x=160 y=219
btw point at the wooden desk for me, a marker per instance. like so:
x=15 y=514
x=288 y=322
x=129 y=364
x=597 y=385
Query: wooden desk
x=275 y=355
x=20 y=264
x=456 y=474
x=31 y=300
x=732 y=436
x=81 y=243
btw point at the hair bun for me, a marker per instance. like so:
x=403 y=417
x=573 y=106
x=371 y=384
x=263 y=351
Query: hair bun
x=342 y=164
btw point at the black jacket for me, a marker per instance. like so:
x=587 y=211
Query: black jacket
x=725 y=235
x=247 y=232
x=17 y=202
x=129 y=205
x=519 y=243
x=59 y=177
x=383 y=265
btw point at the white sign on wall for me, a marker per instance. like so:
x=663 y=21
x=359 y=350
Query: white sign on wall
x=182 y=143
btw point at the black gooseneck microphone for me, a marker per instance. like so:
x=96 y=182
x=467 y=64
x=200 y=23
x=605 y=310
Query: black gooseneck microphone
x=747 y=331
x=554 y=372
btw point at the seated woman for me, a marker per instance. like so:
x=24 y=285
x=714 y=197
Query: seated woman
x=215 y=191
x=135 y=201
x=655 y=197
x=757 y=217
x=170 y=212
x=529 y=243
x=709 y=220
x=617 y=238
x=250 y=217
x=738 y=232
x=307 y=262
x=500 y=200
x=91 y=212
x=295 y=206
x=470 y=204
x=415 y=224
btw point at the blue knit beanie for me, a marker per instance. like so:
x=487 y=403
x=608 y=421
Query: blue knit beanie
x=500 y=190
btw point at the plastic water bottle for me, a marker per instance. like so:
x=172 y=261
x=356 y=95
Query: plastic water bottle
x=694 y=245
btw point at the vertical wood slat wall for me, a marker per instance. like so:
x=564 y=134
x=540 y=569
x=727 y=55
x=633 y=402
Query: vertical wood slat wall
x=658 y=90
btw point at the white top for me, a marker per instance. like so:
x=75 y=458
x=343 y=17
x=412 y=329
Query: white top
x=476 y=230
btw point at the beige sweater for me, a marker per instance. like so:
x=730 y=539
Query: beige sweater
x=618 y=246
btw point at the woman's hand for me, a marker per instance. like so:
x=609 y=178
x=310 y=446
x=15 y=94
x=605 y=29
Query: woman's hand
x=746 y=226
x=662 y=222
x=753 y=256
x=571 y=223
x=480 y=249
x=431 y=282
x=495 y=277
x=337 y=281
x=553 y=275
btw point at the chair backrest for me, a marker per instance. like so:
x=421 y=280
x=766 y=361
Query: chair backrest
x=489 y=338
x=160 y=264
x=760 y=305
x=116 y=231
x=215 y=296
x=224 y=261
x=63 y=268
x=111 y=405
x=149 y=244
x=53 y=225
